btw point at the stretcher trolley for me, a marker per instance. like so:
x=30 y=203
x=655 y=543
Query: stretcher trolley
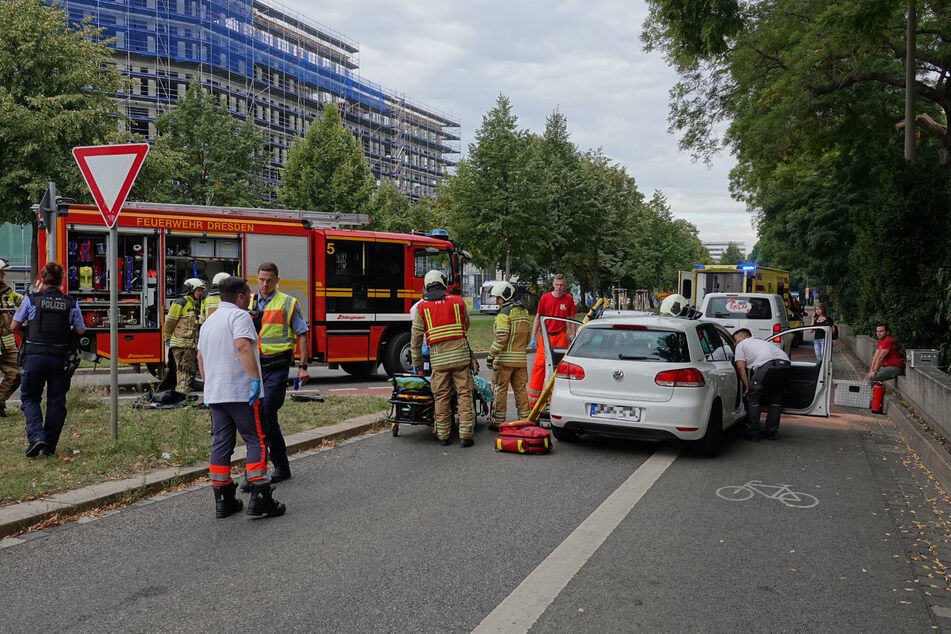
x=412 y=401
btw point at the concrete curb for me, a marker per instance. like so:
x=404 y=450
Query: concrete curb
x=933 y=454
x=19 y=517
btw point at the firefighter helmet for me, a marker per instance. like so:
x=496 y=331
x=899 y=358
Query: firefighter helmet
x=504 y=290
x=193 y=283
x=673 y=305
x=4 y=265
x=219 y=278
x=435 y=277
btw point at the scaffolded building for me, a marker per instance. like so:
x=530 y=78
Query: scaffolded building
x=275 y=66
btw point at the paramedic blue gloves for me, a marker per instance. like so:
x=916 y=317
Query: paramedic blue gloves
x=255 y=391
x=416 y=371
x=533 y=344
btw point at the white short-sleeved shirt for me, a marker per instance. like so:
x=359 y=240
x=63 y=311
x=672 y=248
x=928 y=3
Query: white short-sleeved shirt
x=225 y=378
x=756 y=352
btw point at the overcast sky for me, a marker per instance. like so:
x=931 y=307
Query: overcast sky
x=583 y=58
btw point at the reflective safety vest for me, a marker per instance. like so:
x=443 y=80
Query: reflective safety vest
x=445 y=319
x=276 y=335
x=209 y=305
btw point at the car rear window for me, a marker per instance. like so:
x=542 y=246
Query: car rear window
x=622 y=343
x=739 y=308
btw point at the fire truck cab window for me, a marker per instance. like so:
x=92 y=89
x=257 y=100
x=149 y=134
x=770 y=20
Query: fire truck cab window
x=426 y=261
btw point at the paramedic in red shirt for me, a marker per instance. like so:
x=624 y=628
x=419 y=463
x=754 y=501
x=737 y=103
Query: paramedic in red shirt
x=887 y=363
x=555 y=303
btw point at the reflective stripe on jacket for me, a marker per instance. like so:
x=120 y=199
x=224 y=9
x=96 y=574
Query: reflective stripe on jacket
x=444 y=323
x=513 y=331
x=181 y=323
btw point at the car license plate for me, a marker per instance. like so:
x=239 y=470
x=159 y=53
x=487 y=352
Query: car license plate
x=616 y=412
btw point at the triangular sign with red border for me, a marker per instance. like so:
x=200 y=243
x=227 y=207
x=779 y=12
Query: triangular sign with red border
x=110 y=171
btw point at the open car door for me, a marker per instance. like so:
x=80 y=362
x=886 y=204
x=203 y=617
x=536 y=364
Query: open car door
x=809 y=389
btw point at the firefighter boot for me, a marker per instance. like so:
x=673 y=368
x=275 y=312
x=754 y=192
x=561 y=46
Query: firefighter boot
x=261 y=502
x=225 y=502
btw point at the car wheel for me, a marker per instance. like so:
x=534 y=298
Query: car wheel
x=565 y=435
x=712 y=441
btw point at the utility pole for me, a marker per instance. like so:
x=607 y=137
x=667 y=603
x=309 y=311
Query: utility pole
x=910 y=81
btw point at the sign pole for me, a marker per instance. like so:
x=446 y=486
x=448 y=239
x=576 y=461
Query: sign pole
x=110 y=171
x=113 y=268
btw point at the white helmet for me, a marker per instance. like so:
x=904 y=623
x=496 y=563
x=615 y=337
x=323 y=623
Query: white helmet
x=435 y=277
x=504 y=290
x=4 y=264
x=673 y=305
x=219 y=278
x=192 y=283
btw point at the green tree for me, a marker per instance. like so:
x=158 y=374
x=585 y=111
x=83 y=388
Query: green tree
x=491 y=211
x=392 y=210
x=205 y=156
x=55 y=87
x=326 y=169
x=732 y=254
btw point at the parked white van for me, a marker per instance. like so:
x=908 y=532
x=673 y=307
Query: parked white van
x=763 y=314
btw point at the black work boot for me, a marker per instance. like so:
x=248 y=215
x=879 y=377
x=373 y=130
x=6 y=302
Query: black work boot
x=225 y=502
x=261 y=502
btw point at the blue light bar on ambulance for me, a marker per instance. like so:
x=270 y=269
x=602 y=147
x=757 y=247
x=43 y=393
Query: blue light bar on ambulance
x=439 y=233
x=747 y=267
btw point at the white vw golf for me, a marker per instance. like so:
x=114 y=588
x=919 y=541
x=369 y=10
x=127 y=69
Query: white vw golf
x=659 y=378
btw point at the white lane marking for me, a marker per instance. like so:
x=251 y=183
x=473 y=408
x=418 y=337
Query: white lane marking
x=519 y=611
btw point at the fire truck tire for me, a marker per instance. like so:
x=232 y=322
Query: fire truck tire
x=361 y=368
x=396 y=357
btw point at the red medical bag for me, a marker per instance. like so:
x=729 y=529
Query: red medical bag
x=522 y=436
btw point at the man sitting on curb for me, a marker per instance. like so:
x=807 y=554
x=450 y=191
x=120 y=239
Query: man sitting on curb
x=887 y=363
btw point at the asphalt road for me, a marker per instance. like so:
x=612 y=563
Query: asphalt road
x=389 y=534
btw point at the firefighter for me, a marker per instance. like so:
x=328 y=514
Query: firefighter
x=444 y=321
x=10 y=300
x=51 y=320
x=513 y=327
x=210 y=303
x=181 y=332
x=281 y=329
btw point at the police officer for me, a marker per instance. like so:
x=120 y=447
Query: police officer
x=444 y=321
x=10 y=300
x=181 y=332
x=51 y=321
x=513 y=329
x=210 y=303
x=281 y=329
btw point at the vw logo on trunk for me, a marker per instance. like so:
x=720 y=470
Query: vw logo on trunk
x=618 y=374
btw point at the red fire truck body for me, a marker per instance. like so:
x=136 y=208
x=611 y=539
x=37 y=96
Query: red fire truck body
x=356 y=287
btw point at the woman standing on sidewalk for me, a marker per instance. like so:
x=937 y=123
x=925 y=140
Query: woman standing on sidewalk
x=820 y=318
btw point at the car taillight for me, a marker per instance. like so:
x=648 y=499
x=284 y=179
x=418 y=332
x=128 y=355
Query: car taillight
x=776 y=329
x=570 y=371
x=685 y=377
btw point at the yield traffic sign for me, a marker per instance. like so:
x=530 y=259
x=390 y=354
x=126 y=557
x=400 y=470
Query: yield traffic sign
x=110 y=171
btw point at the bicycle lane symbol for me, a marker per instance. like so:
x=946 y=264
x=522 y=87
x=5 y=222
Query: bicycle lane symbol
x=781 y=492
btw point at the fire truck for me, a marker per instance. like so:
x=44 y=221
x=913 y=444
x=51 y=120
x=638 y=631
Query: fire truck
x=356 y=287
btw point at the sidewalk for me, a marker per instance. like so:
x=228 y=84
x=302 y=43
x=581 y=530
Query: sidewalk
x=19 y=517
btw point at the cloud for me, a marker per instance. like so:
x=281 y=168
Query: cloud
x=582 y=58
